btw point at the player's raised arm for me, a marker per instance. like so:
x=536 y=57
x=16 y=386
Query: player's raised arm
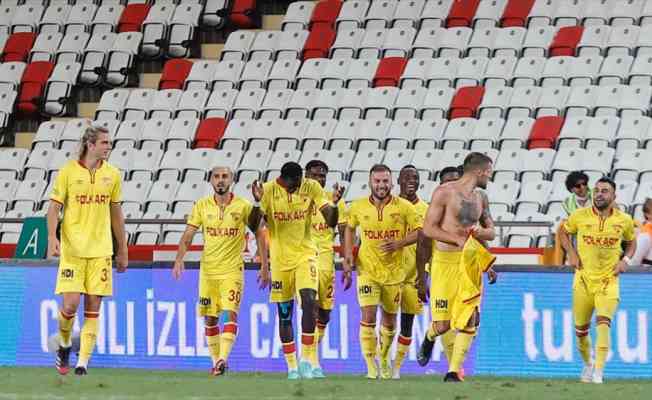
x=432 y=223
x=487 y=230
x=331 y=211
x=118 y=228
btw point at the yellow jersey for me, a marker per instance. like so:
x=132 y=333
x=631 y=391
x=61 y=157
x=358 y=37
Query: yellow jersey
x=289 y=221
x=599 y=240
x=322 y=234
x=392 y=221
x=410 y=252
x=224 y=234
x=86 y=197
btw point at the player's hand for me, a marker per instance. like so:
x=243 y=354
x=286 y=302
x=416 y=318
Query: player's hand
x=177 y=271
x=390 y=246
x=122 y=260
x=257 y=190
x=461 y=241
x=53 y=247
x=338 y=192
x=620 y=267
x=422 y=288
x=347 y=268
x=263 y=279
x=574 y=261
x=493 y=276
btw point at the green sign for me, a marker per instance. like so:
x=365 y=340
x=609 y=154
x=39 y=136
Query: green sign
x=33 y=241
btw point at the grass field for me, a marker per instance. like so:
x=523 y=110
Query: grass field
x=42 y=383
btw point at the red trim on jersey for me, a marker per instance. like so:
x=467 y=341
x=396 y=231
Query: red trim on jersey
x=289 y=348
x=368 y=325
x=472 y=298
x=91 y=314
x=212 y=330
x=57 y=201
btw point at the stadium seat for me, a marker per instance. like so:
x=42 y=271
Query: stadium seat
x=132 y=17
x=120 y=70
x=45 y=45
x=155 y=29
x=18 y=46
x=461 y=13
x=54 y=18
x=182 y=30
x=379 y=14
x=318 y=43
x=325 y=13
x=71 y=48
x=32 y=87
x=389 y=71
x=27 y=17
x=106 y=18
x=95 y=58
x=275 y=103
x=565 y=41
x=112 y=104
x=175 y=73
x=237 y=45
x=244 y=14
x=80 y=17
x=407 y=13
x=209 y=133
x=545 y=132
x=351 y=15
x=516 y=13
x=128 y=135
x=466 y=101
x=214 y=14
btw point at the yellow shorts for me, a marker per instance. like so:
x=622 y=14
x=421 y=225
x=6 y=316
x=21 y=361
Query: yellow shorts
x=603 y=297
x=326 y=292
x=285 y=284
x=444 y=282
x=85 y=275
x=410 y=302
x=372 y=293
x=219 y=294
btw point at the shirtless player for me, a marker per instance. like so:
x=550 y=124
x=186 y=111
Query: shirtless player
x=455 y=210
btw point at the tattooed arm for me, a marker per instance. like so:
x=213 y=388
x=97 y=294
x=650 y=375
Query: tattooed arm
x=486 y=231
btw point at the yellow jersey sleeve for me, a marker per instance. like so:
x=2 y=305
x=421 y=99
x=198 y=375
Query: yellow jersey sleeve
x=247 y=207
x=265 y=201
x=194 y=219
x=572 y=222
x=317 y=194
x=352 y=217
x=629 y=233
x=60 y=188
x=116 y=193
x=341 y=212
x=413 y=219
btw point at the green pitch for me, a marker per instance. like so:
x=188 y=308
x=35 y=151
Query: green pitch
x=42 y=383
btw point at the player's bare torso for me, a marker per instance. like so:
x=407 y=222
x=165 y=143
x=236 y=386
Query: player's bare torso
x=462 y=211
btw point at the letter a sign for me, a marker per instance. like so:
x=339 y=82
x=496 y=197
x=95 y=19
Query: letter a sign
x=33 y=241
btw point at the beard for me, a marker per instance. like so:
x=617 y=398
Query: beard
x=379 y=196
x=221 y=191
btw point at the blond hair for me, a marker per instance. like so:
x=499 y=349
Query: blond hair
x=90 y=136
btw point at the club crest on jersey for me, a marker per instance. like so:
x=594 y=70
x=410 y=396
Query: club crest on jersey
x=236 y=216
x=396 y=217
x=107 y=181
x=79 y=181
x=618 y=228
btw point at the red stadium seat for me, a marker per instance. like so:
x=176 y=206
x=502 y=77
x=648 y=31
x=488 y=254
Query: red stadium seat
x=319 y=42
x=132 y=17
x=244 y=14
x=209 y=133
x=466 y=101
x=544 y=132
x=461 y=13
x=389 y=71
x=516 y=13
x=18 y=46
x=325 y=13
x=565 y=41
x=32 y=84
x=174 y=74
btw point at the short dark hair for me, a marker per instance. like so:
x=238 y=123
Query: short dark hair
x=607 y=180
x=574 y=177
x=448 y=170
x=647 y=206
x=409 y=166
x=291 y=170
x=316 y=163
x=379 y=168
x=475 y=161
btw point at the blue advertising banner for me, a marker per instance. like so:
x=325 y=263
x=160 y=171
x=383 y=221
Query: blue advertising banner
x=151 y=322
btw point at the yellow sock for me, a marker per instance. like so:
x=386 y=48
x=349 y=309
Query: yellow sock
x=213 y=341
x=401 y=351
x=309 y=348
x=368 y=344
x=463 y=341
x=448 y=344
x=584 y=347
x=602 y=345
x=290 y=353
x=321 y=329
x=66 y=322
x=88 y=338
x=227 y=339
x=386 y=339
